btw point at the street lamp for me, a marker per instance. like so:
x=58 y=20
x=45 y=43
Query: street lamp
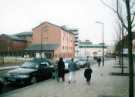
x=99 y=22
x=41 y=48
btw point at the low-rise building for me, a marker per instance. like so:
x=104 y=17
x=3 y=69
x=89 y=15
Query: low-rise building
x=26 y=36
x=11 y=45
x=52 y=41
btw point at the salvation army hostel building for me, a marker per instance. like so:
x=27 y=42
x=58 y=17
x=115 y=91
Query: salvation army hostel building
x=52 y=41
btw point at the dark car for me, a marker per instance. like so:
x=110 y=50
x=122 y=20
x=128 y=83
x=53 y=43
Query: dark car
x=31 y=72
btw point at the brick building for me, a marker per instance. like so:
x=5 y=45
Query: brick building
x=52 y=41
x=11 y=45
x=25 y=36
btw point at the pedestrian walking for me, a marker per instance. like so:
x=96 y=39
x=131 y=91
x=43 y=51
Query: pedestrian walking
x=87 y=74
x=99 y=61
x=61 y=69
x=72 y=69
x=87 y=62
x=55 y=73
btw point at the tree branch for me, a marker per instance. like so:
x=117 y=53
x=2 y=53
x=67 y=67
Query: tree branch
x=133 y=25
x=132 y=5
x=114 y=10
x=132 y=20
x=122 y=21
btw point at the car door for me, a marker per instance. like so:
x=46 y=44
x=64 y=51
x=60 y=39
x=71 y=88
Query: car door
x=45 y=69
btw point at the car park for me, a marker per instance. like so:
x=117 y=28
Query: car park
x=30 y=72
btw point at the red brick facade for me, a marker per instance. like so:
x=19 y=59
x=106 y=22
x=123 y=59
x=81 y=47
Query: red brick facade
x=48 y=33
x=8 y=44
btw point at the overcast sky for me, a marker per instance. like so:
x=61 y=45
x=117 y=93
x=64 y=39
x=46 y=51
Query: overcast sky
x=23 y=15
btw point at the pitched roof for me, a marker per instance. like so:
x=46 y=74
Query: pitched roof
x=61 y=27
x=24 y=34
x=45 y=47
x=12 y=37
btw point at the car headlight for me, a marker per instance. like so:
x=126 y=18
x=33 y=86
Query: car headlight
x=23 y=76
x=8 y=74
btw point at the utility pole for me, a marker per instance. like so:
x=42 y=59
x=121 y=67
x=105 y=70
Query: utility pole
x=41 y=50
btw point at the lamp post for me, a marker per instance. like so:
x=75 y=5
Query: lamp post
x=99 y=22
x=41 y=49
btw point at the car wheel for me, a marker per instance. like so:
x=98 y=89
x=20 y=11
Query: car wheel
x=33 y=80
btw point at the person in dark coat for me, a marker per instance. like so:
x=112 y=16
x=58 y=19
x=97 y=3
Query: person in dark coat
x=87 y=74
x=99 y=61
x=61 y=69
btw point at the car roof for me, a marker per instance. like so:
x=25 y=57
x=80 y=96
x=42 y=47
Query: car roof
x=39 y=60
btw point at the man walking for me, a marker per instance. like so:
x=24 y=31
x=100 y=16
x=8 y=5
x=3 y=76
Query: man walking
x=72 y=69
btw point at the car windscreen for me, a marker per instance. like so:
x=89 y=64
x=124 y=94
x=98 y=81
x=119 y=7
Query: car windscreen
x=29 y=65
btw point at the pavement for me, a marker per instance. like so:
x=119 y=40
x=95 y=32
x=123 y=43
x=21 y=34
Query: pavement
x=102 y=85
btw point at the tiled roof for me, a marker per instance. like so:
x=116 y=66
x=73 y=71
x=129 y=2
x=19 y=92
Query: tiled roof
x=61 y=27
x=45 y=47
x=12 y=37
x=24 y=34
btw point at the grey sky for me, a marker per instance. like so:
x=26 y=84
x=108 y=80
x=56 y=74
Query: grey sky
x=23 y=15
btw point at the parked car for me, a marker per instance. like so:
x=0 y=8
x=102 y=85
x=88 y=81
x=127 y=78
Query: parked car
x=81 y=63
x=66 y=65
x=31 y=72
x=67 y=62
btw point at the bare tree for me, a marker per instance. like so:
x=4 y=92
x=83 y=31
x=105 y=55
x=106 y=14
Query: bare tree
x=126 y=18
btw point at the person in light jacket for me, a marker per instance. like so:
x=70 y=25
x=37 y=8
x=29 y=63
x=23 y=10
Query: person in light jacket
x=72 y=69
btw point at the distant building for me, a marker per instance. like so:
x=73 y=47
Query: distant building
x=11 y=45
x=76 y=43
x=86 y=48
x=52 y=41
x=26 y=36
